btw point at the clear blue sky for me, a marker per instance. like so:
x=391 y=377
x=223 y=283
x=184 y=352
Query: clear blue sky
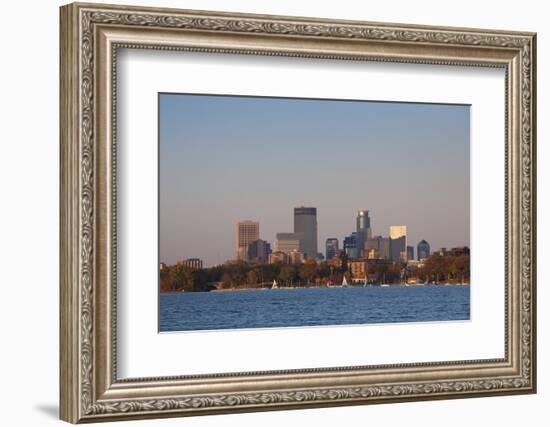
x=227 y=158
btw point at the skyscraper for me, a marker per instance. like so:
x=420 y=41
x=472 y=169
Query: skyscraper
x=331 y=247
x=410 y=253
x=350 y=246
x=422 y=250
x=258 y=251
x=305 y=221
x=377 y=247
x=363 y=229
x=288 y=242
x=246 y=232
x=398 y=243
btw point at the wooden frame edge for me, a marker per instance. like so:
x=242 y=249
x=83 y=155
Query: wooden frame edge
x=69 y=221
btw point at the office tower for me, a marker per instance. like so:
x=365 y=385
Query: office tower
x=384 y=248
x=305 y=222
x=288 y=242
x=350 y=246
x=363 y=229
x=410 y=253
x=258 y=251
x=331 y=247
x=245 y=233
x=422 y=250
x=377 y=247
x=398 y=243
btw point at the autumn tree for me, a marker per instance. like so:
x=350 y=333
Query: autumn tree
x=165 y=284
x=393 y=274
x=308 y=272
x=180 y=278
x=288 y=273
x=324 y=270
x=252 y=277
x=462 y=264
x=226 y=280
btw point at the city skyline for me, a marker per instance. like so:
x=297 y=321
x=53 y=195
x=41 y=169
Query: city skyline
x=410 y=165
x=393 y=232
x=294 y=241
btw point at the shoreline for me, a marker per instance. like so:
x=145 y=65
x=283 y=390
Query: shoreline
x=395 y=285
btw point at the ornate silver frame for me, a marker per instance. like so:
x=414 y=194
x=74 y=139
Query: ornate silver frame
x=90 y=36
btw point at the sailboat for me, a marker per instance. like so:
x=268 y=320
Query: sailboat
x=275 y=285
x=365 y=282
x=344 y=283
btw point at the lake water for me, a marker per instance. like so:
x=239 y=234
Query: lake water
x=275 y=308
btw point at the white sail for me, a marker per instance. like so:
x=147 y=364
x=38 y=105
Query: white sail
x=344 y=283
x=274 y=286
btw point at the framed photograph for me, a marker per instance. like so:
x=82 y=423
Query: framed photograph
x=266 y=213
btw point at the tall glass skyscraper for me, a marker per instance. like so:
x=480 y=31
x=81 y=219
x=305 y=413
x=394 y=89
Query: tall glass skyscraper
x=350 y=246
x=246 y=232
x=305 y=221
x=398 y=243
x=331 y=247
x=363 y=230
x=422 y=250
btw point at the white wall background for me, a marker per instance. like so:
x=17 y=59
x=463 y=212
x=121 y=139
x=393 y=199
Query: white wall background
x=29 y=171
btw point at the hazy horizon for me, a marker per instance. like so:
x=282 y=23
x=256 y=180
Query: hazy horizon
x=225 y=159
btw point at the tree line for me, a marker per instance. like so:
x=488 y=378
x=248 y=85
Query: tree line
x=438 y=269
x=241 y=274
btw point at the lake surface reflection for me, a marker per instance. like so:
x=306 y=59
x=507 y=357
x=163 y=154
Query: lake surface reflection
x=277 y=308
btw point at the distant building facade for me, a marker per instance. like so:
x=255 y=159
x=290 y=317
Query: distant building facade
x=331 y=247
x=458 y=251
x=162 y=266
x=414 y=263
x=194 y=263
x=305 y=222
x=358 y=268
x=398 y=243
x=371 y=253
x=258 y=251
x=295 y=257
x=378 y=247
x=277 y=257
x=422 y=250
x=288 y=242
x=246 y=232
